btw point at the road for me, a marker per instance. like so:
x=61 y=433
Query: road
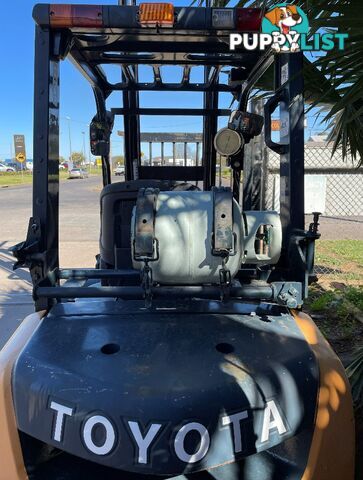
x=79 y=233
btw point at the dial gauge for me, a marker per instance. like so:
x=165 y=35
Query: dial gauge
x=228 y=142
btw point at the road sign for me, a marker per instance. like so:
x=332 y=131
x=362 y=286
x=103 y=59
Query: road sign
x=20 y=157
x=275 y=125
x=99 y=162
x=19 y=144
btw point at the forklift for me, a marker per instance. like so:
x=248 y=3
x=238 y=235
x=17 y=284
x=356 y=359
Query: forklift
x=185 y=353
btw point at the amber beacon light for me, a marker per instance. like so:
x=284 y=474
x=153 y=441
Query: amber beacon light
x=68 y=16
x=156 y=14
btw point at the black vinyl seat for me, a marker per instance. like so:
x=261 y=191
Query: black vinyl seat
x=117 y=202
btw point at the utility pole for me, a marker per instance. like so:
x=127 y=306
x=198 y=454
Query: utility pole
x=84 y=146
x=70 y=139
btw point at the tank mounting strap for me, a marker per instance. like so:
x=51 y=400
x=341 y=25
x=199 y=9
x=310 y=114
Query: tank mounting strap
x=222 y=239
x=145 y=224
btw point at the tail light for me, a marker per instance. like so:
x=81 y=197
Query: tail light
x=248 y=19
x=67 y=16
x=156 y=14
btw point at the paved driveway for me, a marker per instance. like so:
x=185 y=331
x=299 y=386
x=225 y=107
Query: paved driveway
x=79 y=231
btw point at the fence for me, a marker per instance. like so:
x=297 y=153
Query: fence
x=333 y=187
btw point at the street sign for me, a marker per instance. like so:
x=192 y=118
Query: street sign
x=275 y=125
x=19 y=145
x=99 y=162
x=20 y=157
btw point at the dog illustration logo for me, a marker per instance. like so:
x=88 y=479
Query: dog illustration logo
x=286 y=23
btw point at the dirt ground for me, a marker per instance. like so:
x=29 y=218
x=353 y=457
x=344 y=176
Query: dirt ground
x=342 y=325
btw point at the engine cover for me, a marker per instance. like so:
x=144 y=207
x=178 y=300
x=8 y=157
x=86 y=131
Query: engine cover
x=165 y=391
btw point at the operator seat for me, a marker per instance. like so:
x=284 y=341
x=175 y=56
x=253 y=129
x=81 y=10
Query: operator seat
x=117 y=202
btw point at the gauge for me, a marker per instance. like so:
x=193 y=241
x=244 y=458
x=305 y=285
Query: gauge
x=228 y=142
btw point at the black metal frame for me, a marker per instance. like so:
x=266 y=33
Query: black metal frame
x=118 y=42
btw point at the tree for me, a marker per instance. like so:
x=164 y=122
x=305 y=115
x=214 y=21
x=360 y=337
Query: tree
x=333 y=79
x=118 y=160
x=77 y=158
x=343 y=69
x=61 y=159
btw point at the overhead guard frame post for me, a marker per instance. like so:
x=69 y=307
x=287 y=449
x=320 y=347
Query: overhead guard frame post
x=289 y=76
x=99 y=85
x=289 y=85
x=46 y=159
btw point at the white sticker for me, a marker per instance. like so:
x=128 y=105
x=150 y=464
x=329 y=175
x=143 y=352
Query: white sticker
x=284 y=73
x=271 y=420
x=110 y=436
x=62 y=411
x=143 y=443
x=203 y=446
x=235 y=420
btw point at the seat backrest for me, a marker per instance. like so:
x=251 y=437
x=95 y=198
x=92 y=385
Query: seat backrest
x=117 y=201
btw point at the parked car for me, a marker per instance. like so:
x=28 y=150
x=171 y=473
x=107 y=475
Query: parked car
x=78 y=173
x=6 y=168
x=120 y=170
x=16 y=166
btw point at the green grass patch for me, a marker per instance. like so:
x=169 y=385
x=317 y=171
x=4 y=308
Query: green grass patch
x=322 y=302
x=344 y=256
x=338 y=302
x=338 y=252
x=340 y=308
x=15 y=178
x=7 y=179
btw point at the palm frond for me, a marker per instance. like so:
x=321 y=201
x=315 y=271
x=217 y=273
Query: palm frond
x=355 y=375
x=335 y=77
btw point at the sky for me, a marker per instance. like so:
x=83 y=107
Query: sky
x=76 y=102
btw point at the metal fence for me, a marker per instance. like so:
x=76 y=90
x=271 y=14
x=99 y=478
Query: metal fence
x=333 y=187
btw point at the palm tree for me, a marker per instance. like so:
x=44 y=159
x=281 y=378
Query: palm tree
x=355 y=375
x=343 y=69
x=333 y=81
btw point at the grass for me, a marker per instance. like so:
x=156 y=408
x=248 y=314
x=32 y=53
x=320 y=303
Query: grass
x=339 y=251
x=15 y=178
x=336 y=301
x=344 y=256
x=337 y=311
x=8 y=179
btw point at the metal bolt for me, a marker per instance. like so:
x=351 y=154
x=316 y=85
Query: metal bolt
x=291 y=303
x=282 y=297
